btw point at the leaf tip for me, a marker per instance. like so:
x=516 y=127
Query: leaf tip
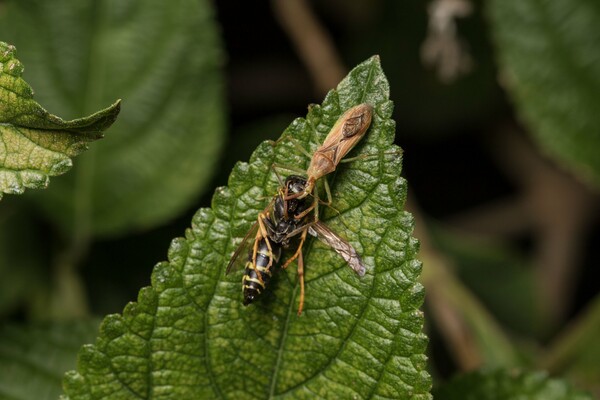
x=61 y=167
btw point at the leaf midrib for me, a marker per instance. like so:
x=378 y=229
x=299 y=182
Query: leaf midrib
x=276 y=368
x=228 y=251
x=275 y=373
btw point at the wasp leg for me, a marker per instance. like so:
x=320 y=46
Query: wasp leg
x=301 y=277
x=300 y=258
x=298 y=250
x=260 y=234
x=305 y=212
x=301 y=229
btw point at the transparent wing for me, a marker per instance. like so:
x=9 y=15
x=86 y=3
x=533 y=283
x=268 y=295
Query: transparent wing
x=341 y=246
x=241 y=253
x=239 y=258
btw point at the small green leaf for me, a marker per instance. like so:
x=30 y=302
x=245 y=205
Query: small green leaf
x=34 y=358
x=548 y=53
x=164 y=59
x=189 y=337
x=34 y=144
x=507 y=385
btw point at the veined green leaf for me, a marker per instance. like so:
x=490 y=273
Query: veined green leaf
x=549 y=56
x=507 y=384
x=34 y=358
x=189 y=337
x=163 y=59
x=35 y=144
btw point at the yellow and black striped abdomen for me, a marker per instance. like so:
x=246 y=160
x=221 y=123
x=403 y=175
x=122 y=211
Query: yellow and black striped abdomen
x=257 y=276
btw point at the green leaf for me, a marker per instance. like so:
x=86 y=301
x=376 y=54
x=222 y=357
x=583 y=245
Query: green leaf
x=163 y=59
x=548 y=53
x=189 y=337
x=34 y=358
x=35 y=144
x=507 y=385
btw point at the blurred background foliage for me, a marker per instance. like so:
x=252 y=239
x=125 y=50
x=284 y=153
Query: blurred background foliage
x=496 y=109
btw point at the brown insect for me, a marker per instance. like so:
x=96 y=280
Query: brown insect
x=344 y=135
x=288 y=213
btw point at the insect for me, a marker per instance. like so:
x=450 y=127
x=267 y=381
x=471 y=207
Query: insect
x=274 y=230
x=344 y=135
x=287 y=215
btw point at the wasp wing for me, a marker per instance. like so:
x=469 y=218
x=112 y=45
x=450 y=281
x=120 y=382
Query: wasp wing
x=247 y=244
x=243 y=249
x=341 y=246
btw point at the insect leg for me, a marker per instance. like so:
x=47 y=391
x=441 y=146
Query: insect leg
x=301 y=277
x=328 y=193
x=305 y=212
x=296 y=144
x=300 y=269
x=274 y=167
x=295 y=170
x=298 y=252
x=260 y=234
x=316 y=205
x=372 y=155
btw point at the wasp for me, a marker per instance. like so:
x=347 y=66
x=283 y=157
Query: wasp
x=275 y=228
x=281 y=222
x=288 y=213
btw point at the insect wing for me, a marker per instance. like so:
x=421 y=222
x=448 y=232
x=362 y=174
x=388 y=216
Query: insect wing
x=246 y=243
x=341 y=246
x=240 y=256
x=344 y=135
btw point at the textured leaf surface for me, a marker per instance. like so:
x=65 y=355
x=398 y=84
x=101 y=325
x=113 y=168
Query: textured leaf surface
x=189 y=337
x=162 y=59
x=549 y=52
x=34 y=144
x=33 y=359
x=508 y=385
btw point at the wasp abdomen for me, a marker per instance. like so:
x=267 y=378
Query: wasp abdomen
x=257 y=275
